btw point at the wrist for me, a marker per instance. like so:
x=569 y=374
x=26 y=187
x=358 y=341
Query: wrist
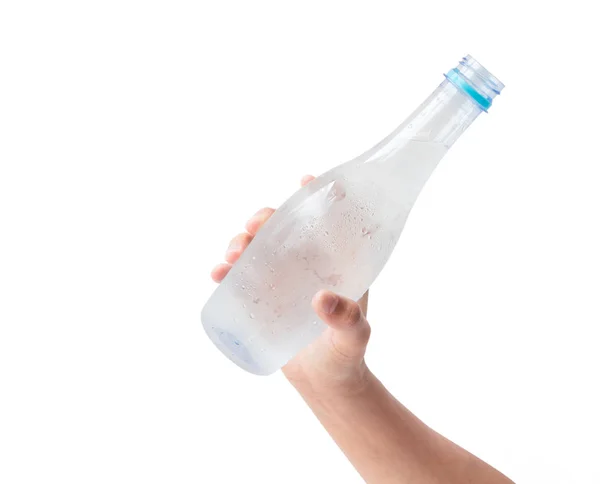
x=320 y=384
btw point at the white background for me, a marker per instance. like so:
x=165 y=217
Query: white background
x=137 y=137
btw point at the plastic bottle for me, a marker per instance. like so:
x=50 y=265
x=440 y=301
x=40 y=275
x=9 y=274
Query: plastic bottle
x=337 y=232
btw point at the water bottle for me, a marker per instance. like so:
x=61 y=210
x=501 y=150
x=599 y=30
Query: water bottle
x=338 y=231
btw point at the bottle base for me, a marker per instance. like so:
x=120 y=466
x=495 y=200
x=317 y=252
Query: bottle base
x=233 y=348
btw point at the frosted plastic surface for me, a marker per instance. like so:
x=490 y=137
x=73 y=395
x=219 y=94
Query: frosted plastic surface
x=336 y=233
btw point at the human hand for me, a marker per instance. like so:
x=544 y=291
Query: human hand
x=382 y=439
x=334 y=362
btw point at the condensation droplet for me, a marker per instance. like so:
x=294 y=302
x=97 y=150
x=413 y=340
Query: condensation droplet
x=243 y=287
x=272 y=286
x=244 y=305
x=253 y=257
x=314 y=323
x=251 y=315
x=256 y=300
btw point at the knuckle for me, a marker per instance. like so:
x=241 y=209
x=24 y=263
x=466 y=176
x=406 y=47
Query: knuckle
x=353 y=314
x=365 y=332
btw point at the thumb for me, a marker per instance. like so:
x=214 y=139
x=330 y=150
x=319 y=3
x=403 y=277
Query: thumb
x=351 y=330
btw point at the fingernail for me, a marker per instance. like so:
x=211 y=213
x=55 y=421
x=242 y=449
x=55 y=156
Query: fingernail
x=329 y=303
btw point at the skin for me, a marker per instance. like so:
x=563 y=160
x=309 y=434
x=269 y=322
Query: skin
x=383 y=440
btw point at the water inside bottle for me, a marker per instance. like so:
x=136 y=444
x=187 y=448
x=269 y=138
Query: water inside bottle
x=336 y=233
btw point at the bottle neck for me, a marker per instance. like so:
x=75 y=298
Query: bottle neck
x=468 y=90
x=441 y=118
x=438 y=121
x=409 y=155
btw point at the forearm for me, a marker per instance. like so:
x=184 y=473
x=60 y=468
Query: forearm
x=387 y=444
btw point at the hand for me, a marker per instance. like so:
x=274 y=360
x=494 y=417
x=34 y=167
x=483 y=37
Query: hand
x=334 y=363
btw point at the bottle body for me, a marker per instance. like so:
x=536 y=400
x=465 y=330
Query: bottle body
x=336 y=233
